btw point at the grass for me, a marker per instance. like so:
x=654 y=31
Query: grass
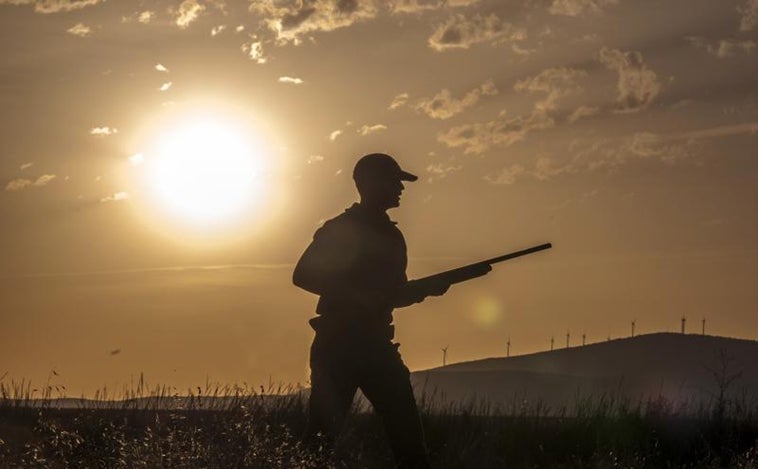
x=239 y=426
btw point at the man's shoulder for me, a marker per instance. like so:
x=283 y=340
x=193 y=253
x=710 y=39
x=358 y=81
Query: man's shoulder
x=345 y=221
x=356 y=221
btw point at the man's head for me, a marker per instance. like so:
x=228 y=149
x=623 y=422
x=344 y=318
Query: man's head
x=379 y=180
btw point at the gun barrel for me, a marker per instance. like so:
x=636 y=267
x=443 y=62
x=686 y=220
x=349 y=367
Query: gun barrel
x=471 y=271
x=523 y=252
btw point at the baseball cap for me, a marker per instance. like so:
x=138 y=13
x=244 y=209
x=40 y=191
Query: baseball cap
x=380 y=166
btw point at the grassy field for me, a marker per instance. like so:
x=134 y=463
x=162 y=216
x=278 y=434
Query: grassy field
x=238 y=427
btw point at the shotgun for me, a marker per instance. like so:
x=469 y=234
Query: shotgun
x=477 y=269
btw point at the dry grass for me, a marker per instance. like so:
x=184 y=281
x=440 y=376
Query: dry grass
x=239 y=426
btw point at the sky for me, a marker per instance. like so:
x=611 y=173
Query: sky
x=624 y=132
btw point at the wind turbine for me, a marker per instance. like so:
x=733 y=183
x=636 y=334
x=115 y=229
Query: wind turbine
x=444 y=355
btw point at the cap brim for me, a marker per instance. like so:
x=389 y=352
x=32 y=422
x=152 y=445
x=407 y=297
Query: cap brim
x=406 y=176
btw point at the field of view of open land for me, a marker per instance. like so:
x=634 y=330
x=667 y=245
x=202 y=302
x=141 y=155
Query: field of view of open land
x=214 y=425
x=404 y=234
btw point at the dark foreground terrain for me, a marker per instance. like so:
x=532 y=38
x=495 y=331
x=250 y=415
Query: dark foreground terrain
x=264 y=431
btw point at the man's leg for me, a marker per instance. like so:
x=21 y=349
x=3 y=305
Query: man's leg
x=332 y=392
x=387 y=385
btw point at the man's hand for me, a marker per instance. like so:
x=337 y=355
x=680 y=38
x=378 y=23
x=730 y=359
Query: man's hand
x=416 y=291
x=437 y=288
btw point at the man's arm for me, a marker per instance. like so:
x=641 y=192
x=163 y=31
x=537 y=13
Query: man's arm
x=325 y=267
x=415 y=292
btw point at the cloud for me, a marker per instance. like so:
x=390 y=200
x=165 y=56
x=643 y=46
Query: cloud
x=23 y=183
x=414 y=6
x=418 y=6
x=460 y=32
x=723 y=48
x=333 y=136
x=166 y=86
x=479 y=137
x=748 y=15
x=44 y=180
x=146 y=16
x=578 y=7
x=18 y=184
x=443 y=105
x=103 y=131
x=292 y=80
x=507 y=175
x=398 y=101
x=545 y=168
x=216 y=30
x=315 y=159
x=53 y=6
x=637 y=84
x=161 y=68
x=188 y=12
x=294 y=20
x=441 y=170
x=254 y=50
x=582 y=112
x=137 y=159
x=80 y=29
x=554 y=82
x=370 y=129
x=745 y=128
x=26 y=166
x=116 y=197
x=611 y=153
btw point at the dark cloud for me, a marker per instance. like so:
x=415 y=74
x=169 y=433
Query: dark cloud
x=461 y=32
x=292 y=20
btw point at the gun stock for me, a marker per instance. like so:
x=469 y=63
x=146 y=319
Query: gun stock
x=478 y=269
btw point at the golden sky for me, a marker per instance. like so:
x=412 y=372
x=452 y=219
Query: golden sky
x=624 y=132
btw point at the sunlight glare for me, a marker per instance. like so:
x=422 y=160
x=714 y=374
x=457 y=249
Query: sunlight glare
x=204 y=172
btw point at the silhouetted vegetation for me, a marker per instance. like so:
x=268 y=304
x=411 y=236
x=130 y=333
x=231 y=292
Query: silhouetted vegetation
x=239 y=427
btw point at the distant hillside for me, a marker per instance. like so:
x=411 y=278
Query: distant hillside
x=682 y=368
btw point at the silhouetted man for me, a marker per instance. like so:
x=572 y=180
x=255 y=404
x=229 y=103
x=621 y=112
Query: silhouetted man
x=356 y=264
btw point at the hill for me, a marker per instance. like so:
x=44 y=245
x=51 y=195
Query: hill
x=682 y=368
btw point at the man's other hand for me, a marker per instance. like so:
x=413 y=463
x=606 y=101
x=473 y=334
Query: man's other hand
x=436 y=288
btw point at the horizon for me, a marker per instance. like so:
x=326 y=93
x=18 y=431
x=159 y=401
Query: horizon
x=164 y=165
x=55 y=389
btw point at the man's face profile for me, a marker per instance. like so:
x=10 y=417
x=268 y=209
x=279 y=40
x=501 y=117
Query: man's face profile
x=381 y=192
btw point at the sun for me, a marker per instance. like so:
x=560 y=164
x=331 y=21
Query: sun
x=204 y=171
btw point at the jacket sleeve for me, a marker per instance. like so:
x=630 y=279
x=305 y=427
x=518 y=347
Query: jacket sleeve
x=324 y=268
